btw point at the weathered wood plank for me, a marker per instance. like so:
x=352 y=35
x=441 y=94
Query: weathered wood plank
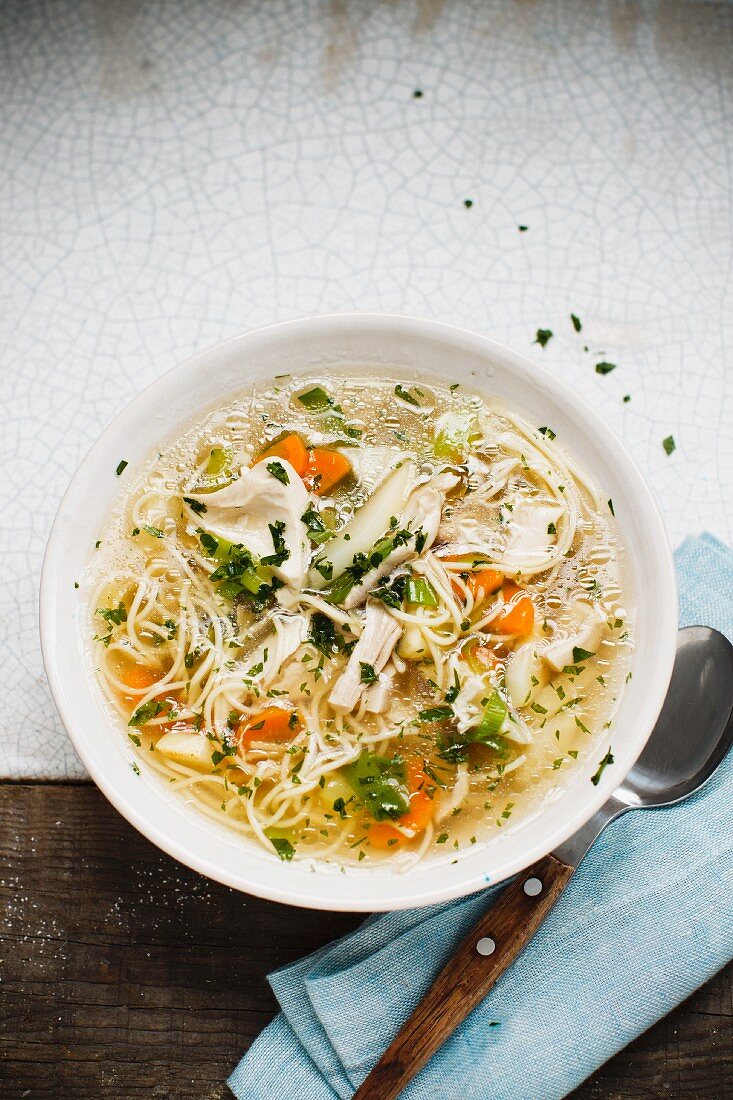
x=126 y=975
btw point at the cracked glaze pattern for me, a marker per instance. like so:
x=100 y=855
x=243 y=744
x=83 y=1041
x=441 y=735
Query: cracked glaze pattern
x=175 y=173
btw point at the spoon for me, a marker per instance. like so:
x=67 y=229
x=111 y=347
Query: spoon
x=693 y=734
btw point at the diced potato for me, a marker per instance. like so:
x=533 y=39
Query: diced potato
x=190 y=749
x=411 y=645
x=334 y=788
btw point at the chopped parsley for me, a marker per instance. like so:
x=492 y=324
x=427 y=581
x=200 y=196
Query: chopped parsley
x=544 y=335
x=325 y=568
x=316 y=527
x=580 y=655
x=576 y=322
x=278 y=471
x=406 y=395
x=323 y=635
x=468 y=203
x=278 y=541
x=146 y=712
x=195 y=505
x=436 y=714
x=113 y=616
x=154 y=532
x=120 y=467
x=217 y=756
x=605 y=368
x=316 y=400
x=548 y=432
x=392 y=594
x=669 y=444
x=283 y=847
x=452 y=693
x=607 y=759
x=209 y=543
x=368 y=675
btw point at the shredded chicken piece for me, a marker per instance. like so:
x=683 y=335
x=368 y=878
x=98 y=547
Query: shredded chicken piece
x=377 y=695
x=530 y=528
x=288 y=633
x=378 y=639
x=243 y=511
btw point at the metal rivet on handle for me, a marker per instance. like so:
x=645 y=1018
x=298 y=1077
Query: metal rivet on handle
x=532 y=887
x=486 y=946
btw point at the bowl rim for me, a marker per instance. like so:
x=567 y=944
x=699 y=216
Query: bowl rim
x=361 y=900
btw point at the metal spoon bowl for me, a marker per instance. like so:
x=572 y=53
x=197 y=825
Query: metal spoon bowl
x=692 y=735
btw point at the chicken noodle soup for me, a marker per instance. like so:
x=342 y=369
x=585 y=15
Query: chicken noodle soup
x=362 y=620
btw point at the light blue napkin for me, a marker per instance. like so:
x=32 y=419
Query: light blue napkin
x=647 y=918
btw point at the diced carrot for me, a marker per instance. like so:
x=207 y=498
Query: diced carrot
x=457 y=590
x=480 y=582
x=517 y=616
x=270 y=724
x=382 y=835
x=385 y=836
x=138 y=677
x=485 y=582
x=325 y=470
x=292 y=449
x=422 y=805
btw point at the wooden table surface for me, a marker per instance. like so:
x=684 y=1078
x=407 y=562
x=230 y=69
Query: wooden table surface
x=126 y=975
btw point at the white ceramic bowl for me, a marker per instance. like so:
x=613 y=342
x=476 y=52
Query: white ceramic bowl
x=411 y=346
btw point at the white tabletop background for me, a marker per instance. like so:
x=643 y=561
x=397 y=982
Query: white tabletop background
x=172 y=173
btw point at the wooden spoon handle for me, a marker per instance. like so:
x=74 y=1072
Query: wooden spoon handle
x=488 y=950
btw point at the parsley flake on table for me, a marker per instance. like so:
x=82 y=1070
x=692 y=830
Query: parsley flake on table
x=576 y=322
x=605 y=368
x=607 y=759
x=120 y=467
x=669 y=444
x=544 y=335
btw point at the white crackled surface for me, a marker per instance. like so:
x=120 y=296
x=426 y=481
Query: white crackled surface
x=173 y=173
